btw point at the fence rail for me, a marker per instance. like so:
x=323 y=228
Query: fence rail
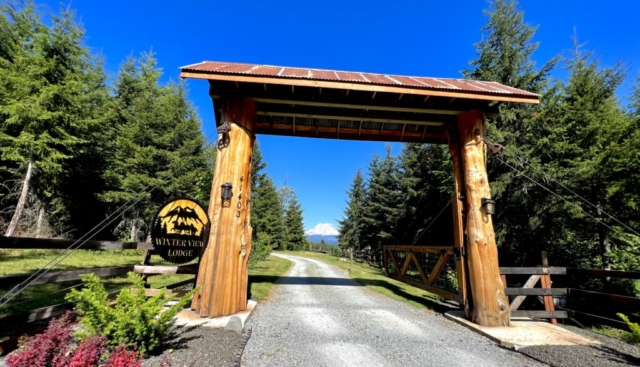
x=24 y=243
x=543 y=274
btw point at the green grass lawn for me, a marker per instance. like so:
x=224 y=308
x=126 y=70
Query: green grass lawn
x=376 y=280
x=263 y=276
x=19 y=262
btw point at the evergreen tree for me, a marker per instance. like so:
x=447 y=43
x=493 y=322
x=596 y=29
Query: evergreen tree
x=426 y=182
x=51 y=91
x=158 y=143
x=267 y=213
x=351 y=225
x=504 y=56
x=293 y=225
x=381 y=208
x=582 y=154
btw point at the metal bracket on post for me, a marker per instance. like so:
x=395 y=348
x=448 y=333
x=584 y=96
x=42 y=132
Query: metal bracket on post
x=459 y=252
x=493 y=147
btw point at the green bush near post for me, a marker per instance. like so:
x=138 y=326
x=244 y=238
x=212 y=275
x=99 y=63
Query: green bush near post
x=134 y=320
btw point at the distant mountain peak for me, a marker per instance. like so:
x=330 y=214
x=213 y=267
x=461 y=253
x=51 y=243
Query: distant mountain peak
x=322 y=229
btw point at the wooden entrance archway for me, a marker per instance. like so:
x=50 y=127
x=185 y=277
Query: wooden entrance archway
x=260 y=99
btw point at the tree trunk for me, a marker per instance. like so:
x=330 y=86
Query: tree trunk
x=21 y=202
x=39 y=222
x=133 y=231
x=223 y=275
x=489 y=307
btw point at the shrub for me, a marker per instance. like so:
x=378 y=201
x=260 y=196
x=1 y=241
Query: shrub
x=89 y=352
x=634 y=327
x=133 y=320
x=260 y=249
x=45 y=349
x=121 y=357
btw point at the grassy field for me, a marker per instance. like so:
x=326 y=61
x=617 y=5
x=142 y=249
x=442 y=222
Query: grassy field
x=19 y=262
x=376 y=280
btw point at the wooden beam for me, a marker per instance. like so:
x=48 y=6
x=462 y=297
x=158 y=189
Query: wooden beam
x=489 y=307
x=541 y=314
x=23 y=243
x=458 y=209
x=349 y=134
x=545 y=282
x=421 y=249
x=350 y=118
x=63 y=276
x=420 y=270
x=362 y=87
x=533 y=270
x=407 y=262
x=165 y=269
x=442 y=260
x=531 y=282
x=536 y=292
x=427 y=111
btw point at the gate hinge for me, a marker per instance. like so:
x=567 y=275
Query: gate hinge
x=459 y=251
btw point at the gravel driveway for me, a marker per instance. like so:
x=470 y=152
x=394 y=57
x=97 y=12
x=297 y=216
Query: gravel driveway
x=319 y=317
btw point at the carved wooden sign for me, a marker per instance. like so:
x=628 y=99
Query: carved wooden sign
x=180 y=231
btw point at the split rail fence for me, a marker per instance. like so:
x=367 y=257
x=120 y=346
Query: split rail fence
x=44 y=313
x=439 y=270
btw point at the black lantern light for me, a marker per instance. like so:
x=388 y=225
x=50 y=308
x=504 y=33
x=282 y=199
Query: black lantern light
x=226 y=191
x=489 y=206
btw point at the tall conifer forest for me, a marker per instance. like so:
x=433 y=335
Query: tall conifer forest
x=77 y=146
x=566 y=183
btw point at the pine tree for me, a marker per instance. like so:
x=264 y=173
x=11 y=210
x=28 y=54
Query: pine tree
x=267 y=213
x=582 y=143
x=159 y=144
x=52 y=90
x=504 y=56
x=381 y=209
x=426 y=183
x=293 y=225
x=351 y=225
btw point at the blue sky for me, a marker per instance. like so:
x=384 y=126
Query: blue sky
x=425 y=38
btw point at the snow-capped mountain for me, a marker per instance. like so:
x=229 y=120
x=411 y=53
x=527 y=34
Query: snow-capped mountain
x=323 y=231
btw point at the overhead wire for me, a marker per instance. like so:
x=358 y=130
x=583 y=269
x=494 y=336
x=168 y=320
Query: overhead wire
x=19 y=288
x=583 y=199
x=431 y=223
x=556 y=194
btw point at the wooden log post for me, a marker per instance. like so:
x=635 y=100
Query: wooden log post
x=222 y=275
x=457 y=206
x=487 y=290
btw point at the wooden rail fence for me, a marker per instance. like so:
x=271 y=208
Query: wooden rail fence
x=48 y=312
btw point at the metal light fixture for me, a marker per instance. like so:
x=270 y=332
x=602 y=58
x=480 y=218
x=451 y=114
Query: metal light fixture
x=489 y=206
x=226 y=191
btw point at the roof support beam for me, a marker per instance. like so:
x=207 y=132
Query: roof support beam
x=350 y=118
x=355 y=106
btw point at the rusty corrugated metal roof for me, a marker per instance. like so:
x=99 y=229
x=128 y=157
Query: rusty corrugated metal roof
x=454 y=85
